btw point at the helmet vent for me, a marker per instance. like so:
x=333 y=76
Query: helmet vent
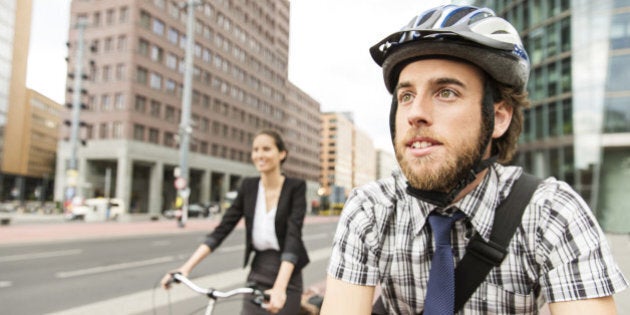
x=456 y=15
x=425 y=17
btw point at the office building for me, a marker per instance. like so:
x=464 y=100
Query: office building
x=134 y=89
x=363 y=158
x=27 y=118
x=578 y=127
x=385 y=163
x=348 y=156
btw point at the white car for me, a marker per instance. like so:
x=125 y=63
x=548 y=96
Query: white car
x=96 y=209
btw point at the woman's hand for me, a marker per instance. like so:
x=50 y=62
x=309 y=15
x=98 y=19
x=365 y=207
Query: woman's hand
x=166 y=281
x=277 y=298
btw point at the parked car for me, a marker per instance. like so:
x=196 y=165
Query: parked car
x=196 y=210
x=96 y=209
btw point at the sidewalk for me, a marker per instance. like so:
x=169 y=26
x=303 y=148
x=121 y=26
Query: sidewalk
x=26 y=228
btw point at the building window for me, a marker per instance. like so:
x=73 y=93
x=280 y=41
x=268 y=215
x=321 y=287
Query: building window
x=122 y=43
x=617 y=115
x=105 y=103
x=169 y=139
x=123 y=15
x=173 y=10
x=156 y=108
x=620 y=31
x=117 y=130
x=145 y=19
x=169 y=115
x=567 y=117
x=119 y=101
x=138 y=132
x=154 y=135
x=110 y=17
x=108 y=44
x=156 y=81
x=120 y=71
x=143 y=47
x=172 y=36
x=171 y=61
x=106 y=73
x=96 y=19
x=142 y=74
x=103 y=131
x=140 y=104
x=619 y=73
x=158 y=27
x=157 y=54
x=170 y=86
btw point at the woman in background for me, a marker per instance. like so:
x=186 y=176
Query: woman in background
x=273 y=206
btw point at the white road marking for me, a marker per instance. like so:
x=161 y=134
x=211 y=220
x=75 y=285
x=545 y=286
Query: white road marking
x=145 y=301
x=5 y=284
x=161 y=243
x=59 y=253
x=231 y=248
x=101 y=269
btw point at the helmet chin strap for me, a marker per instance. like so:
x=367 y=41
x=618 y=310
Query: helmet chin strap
x=443 y=199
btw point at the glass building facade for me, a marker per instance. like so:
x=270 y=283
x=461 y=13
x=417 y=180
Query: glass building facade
x=578 y=127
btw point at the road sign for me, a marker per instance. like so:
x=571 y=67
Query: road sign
x=185 y=193
x=180 y=183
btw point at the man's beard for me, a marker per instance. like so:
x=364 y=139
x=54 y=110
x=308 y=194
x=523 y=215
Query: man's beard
x=450 y=171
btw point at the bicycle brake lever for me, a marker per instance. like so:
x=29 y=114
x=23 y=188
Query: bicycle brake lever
x=260 y=297
x=173 y=279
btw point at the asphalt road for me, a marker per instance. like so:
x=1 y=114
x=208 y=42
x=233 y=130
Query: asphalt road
x=119 y=275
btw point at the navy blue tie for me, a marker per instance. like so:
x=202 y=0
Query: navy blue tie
x=440 y=298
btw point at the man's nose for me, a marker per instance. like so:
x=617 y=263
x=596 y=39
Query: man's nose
x=420 y=112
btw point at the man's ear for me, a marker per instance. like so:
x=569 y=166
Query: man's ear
x=502 y=119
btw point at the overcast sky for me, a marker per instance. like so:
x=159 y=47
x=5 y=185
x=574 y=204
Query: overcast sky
x=328 y=56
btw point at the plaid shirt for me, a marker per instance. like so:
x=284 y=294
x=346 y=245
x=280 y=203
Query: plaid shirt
x=558 y=253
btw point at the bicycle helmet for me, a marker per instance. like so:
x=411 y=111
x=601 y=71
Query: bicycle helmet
x=473 y=34
x=468 y=33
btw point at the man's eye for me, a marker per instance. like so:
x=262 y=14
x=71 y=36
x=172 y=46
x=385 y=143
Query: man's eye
x=405 y=98
x=446 y=93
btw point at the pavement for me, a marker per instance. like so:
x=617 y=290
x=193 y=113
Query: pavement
x=35 y=228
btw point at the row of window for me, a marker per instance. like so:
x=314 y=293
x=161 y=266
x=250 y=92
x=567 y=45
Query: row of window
x=176 y=63
x=112 y=16
x=178 y=38
x=548 y=120
x=225 y=23
x=531 y=13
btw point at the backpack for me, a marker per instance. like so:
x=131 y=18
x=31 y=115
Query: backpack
x=482 y=256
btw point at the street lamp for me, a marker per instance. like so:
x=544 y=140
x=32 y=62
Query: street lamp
x=72 y=171
x=185 y=129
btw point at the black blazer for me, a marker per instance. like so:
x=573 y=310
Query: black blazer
x=289 y=219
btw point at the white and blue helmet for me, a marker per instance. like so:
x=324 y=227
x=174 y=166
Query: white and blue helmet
x=469 y=33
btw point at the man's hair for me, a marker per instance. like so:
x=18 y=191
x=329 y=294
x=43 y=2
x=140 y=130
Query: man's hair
x=505 y=146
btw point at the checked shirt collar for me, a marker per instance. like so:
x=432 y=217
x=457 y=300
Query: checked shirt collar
x=478 y=205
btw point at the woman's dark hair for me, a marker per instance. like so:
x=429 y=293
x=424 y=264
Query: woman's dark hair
x=277 y=139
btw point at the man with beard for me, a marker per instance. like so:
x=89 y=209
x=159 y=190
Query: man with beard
x=458 y=75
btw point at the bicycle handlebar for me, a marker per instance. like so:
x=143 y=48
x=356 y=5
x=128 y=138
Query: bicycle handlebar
x=259 y=296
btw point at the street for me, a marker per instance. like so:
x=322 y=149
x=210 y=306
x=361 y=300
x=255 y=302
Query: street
x=120 y=275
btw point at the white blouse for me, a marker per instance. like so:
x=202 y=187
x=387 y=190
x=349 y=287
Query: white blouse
x=264 y=229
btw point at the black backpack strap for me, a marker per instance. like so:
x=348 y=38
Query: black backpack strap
x=480 y=256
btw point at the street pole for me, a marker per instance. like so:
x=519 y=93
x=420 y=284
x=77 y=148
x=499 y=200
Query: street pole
x=72 y=172
x=185 y=129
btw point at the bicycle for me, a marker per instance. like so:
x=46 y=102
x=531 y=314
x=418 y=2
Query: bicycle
x=259 y=296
